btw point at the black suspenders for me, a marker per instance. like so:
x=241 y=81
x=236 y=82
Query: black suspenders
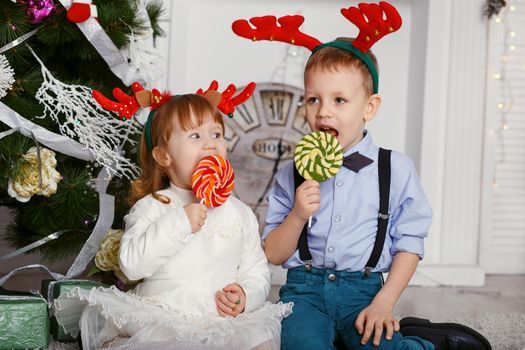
x=302 y=245
x=383 y=167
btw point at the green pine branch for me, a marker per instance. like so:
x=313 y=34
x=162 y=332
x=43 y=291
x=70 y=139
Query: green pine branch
x=155 y=10
x=12 y=149
x=13 y=22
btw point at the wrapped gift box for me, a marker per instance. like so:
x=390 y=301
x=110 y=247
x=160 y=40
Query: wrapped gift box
x=24 y=321
x=53 y=289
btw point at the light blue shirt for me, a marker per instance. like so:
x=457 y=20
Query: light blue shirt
x=344 y=229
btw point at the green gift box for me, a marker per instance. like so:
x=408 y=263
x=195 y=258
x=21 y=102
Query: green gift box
x=53 y=289
x=24 y=321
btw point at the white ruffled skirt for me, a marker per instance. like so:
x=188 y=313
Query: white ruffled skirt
x=114 y=319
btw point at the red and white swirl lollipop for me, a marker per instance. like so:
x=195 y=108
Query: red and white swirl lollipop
x=212 y=180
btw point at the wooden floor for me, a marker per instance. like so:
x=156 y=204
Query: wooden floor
x=501 y=294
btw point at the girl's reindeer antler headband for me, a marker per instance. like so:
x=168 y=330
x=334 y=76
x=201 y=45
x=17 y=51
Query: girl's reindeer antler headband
x=128 y=105
x=367 y=17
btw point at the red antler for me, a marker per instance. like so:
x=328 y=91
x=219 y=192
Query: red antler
x=214 y=85
x=127 y=105
x=224 y=102
x=369 y=19
x=266 y=28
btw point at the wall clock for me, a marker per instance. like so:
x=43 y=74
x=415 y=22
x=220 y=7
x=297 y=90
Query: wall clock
x=262 y=135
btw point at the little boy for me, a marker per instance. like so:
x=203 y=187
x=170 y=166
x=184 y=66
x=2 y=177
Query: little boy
x=338 y=294
x=335 y=267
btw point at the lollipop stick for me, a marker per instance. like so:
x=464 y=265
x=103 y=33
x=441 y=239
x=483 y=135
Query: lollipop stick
x=310 y=221
x=202 y=201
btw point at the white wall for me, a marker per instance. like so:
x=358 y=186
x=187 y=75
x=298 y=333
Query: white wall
x=502 y=224
x=451 y=148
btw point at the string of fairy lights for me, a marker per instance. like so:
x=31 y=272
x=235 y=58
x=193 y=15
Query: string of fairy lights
x=505 y=103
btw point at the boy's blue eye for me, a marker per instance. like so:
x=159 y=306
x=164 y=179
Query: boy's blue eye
x=312 y=100
x=339 y=100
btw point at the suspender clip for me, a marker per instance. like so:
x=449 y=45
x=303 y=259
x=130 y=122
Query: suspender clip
x=308 y=265
x=368 y=270
x=384 y=216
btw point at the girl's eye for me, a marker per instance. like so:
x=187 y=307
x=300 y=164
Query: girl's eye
x=217 y=135
x=312 y=100
x=339 y=100
x=194 y=136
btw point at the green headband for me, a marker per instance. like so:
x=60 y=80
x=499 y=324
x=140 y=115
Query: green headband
x=147 y=130
x=364 y=57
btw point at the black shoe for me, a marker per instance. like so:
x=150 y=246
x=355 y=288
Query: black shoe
x=444 y=336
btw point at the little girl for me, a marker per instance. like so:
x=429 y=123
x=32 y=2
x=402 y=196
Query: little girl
x=204 y=274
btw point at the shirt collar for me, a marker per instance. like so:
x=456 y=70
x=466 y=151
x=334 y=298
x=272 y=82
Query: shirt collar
x=186 y=196
x=365 y=147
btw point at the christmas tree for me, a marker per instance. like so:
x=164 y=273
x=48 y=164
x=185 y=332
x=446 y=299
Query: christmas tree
x=59 y=149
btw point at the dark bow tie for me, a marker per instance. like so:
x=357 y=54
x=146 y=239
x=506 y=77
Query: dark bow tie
x=356 y=161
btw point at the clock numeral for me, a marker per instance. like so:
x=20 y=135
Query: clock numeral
x=243 y=111
x=276 y=108
x=277 y=105
x=246 y=116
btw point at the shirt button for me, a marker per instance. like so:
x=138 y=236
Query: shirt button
x=339 y=183
x=332 y=277
x=330 y=249
x=337 y=218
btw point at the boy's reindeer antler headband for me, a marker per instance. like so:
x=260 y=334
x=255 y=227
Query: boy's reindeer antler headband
x=128 y=105
x=367 y=17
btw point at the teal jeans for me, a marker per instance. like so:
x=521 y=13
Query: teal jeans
x=326 y=305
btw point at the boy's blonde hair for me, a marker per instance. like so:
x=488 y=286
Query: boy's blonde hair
x=333 y=59
x=183 y=107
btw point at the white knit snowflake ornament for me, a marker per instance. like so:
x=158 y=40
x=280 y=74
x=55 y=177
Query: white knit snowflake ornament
x=80 y=117
x=6 y=76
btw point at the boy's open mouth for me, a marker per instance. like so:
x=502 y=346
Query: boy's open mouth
x=330 y=131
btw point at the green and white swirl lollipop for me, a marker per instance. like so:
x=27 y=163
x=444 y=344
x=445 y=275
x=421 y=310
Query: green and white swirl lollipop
x=318 y=156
